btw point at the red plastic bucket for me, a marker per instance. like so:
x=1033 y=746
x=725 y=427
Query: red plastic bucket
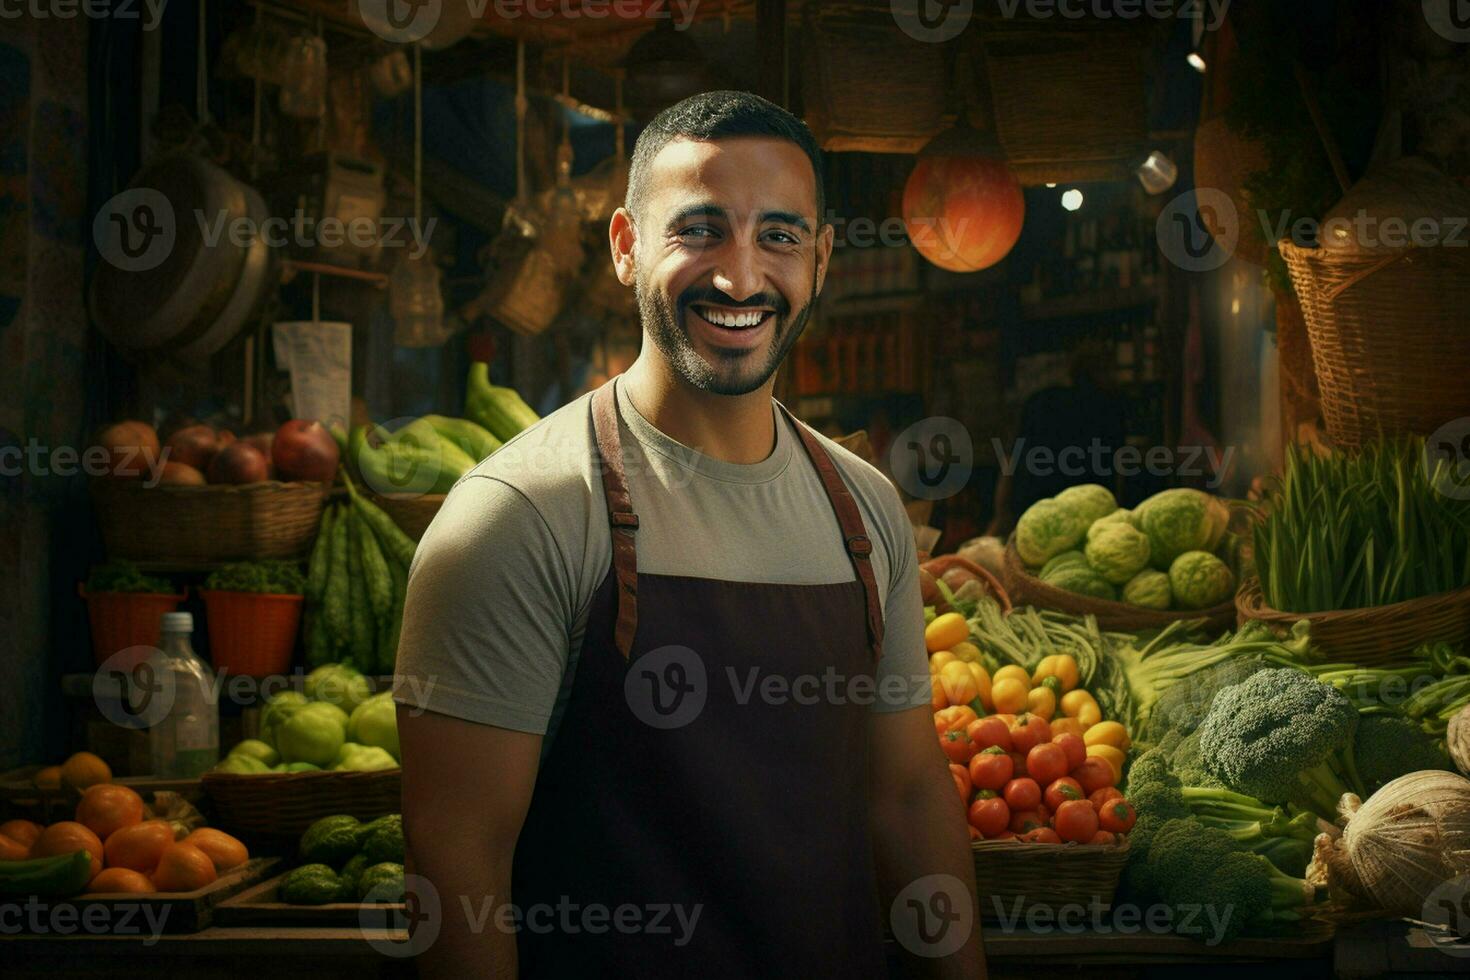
x=126 y=620
x=251 y=633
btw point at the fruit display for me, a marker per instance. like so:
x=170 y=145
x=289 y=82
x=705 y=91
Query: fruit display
x=346 y=860
x=116 y=843
x=426 y=456
x=1170 y=552
x=198 y=454
x=338 y=723
x=501 y=411
x=355 y=585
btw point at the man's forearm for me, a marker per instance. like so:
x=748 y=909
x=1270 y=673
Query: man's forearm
x=472 y=937
x=922 y=833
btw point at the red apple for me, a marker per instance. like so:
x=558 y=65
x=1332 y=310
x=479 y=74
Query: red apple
x=226 y=437
x=193 y=446
x=304 y=450
x=263 y=441
x=133 y=447
x=238 y=462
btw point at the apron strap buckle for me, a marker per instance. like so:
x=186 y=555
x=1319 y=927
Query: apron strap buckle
x=859 y=546
x=624 y=519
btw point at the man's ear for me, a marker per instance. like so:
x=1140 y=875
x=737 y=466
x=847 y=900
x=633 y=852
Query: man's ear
x=622 y=238
x=824 y=253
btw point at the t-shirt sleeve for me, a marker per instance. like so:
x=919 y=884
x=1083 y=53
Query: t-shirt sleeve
x=486 y=622
x=903 y=671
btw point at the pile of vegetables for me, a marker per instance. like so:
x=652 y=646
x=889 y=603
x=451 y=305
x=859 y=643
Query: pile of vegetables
x=355 y=586
x=119 y=575
x=345 y=860
x=1171 y=552
x=271 y=577
x=502 y=411
x=1369 y=529
x=337 y=723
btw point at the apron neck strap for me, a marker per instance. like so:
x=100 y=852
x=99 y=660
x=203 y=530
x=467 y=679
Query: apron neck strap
x=624 y=521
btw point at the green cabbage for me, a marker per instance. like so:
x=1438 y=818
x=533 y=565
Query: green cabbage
x=1118 y=551
x=1181 y=520
x=1200 y=580
x=1090 y=501
x=1082 y=580
x=1149 y=589
x=1048 y=528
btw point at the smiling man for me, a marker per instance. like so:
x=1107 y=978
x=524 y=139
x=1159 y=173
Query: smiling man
x=664 y=704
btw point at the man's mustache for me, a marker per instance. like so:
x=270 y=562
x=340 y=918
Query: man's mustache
x=714 y=297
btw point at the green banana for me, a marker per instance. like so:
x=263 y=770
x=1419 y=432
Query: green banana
x=474 y=439
x=53 y=877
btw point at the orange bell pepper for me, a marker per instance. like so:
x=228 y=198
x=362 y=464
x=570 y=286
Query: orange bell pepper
x=954 y=718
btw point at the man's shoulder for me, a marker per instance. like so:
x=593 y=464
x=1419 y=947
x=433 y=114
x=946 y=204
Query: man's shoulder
x=875 y=492
x=553 y=455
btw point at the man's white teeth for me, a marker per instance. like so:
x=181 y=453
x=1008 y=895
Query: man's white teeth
x=735 y=320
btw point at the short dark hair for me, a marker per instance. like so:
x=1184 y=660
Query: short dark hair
x=714 y=116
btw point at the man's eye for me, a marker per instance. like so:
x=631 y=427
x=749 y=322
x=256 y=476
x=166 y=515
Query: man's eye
x=702 y=232
x=782 y=237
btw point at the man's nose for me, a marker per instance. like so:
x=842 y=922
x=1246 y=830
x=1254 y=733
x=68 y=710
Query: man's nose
x=738 y=273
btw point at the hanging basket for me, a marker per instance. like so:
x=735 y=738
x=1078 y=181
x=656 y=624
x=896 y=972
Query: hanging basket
x=1388 y=337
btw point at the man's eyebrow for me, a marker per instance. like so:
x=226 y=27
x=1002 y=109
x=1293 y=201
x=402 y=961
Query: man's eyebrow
x=712 y=210
x=786 y=218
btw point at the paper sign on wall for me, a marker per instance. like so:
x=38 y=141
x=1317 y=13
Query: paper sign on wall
x=318 y=357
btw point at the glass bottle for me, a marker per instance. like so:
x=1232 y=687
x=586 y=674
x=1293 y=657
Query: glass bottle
x=185 y=741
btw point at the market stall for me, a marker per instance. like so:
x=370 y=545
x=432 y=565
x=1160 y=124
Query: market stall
x=1153 y=323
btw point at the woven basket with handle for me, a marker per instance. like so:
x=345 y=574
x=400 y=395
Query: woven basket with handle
x=1375 y=636
x=1013 y=877
x=206 y=524
x=1388 y=337
x=284 y=804
x=1027 y=590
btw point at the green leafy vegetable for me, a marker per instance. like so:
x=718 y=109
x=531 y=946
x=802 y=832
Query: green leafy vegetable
x=275 y=577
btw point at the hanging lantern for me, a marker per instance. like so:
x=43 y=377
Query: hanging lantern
x=962 y=206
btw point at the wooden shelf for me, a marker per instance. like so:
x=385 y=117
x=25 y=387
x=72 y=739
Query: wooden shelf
x=291 y=267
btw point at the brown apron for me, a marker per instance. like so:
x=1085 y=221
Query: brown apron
x=674 y=787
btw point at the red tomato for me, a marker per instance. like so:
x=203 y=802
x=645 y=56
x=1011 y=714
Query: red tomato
x=1104 y=837
x=1046 y=763
x=962 y=782
x=1098 y=797
x=989 y=815
x=1028 y=732
x=1061 y=790
x=991 y=769
x=1094 y=774
x=957 y=746
x=1044 y=812
x=1076 y=820
x=1018 y=760
x=1075 y=748
x=1026 y=820
x=1041 y=835
x=1117 y=816
x=990 y=731
x=1022 y=794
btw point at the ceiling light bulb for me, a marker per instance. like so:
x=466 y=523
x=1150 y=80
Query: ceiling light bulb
x=1196 y=61
x=1072 y=199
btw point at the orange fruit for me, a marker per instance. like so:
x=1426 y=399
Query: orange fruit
x=225 y=851
x=84 y=769
x=182 y=868
x=107 y=807
x=48 y=778
x=120 y=880
x=66 y=837
x=138 y=847
x=13 y=850
x=25 y=831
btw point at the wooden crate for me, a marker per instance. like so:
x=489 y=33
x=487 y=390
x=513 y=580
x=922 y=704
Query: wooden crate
x=21 y=798
x=261 y=905
x=123 y=913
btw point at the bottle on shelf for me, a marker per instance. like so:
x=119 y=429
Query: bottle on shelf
x=185 y=741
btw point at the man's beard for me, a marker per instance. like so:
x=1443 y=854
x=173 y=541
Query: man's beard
x=726 y=376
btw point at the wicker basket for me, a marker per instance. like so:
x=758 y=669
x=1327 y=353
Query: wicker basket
x=208 y=524
x=1376 y=636
x=1388 y=337
x=1069 y=105
x=1026 y=589
x=1012 y=877
x=411 y=512
x=847 y=46
x=285 y=804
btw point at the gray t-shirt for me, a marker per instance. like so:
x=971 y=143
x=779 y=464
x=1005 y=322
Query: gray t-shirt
x=501 y=583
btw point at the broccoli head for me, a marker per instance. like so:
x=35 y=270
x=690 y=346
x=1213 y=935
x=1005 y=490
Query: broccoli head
x=1183 y=705
x=1389 y=746
x=1283 y=737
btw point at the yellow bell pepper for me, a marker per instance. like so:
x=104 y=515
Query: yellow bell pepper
x=1088 y=715
x=1009 y=694
x=1073 y=701
x=1042 y=702
x=1110 y=754
x=1019 y=673
x=1108 y=733
x=958 y=683
x=966 y=651
x=982 y=684
x=1066 y=726
x=938 y=660
x=945 y=632
x=939 y=699
x=1062 y=666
